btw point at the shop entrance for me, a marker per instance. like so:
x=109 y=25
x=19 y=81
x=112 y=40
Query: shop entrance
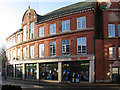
x=76 y=71
x=116 y=74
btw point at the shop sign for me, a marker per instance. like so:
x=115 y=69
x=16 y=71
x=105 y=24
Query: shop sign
x=79 y=58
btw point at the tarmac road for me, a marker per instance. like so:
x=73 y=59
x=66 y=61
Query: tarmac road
x=29 y=85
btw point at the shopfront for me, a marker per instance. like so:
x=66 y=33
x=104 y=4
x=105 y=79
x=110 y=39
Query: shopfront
x=48 y=71
x=10 y=70
x=18 y=71
x=30 y=71
x=75 y=71
x=116 y=74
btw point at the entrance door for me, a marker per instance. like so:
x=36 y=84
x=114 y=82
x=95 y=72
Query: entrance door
x=116 y=74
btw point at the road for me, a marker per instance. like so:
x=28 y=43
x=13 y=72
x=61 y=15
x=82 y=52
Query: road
x=28 y=85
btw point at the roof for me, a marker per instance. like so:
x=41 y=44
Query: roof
x=68 y=9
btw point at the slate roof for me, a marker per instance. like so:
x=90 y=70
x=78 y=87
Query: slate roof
x=66 y=10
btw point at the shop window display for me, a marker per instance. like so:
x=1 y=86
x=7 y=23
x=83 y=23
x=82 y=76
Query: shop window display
x=10 y=70
x=75 y=71
x=49 y=71
x=31 y=71
x=19 y=71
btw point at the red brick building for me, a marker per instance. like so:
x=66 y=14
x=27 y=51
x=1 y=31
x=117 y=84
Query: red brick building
x=79 y=44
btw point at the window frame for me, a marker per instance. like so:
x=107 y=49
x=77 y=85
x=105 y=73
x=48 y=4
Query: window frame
x=18 y=54
x=32 y=50
x=32 y=27
x=65 y=52
x=40 y=53
x=24 y=32
x=51 y=28
x=81 y=22
x=113 y=52
x=24 y=53
x=118 y=30
x=110 y=30
x=41 y=29
x=64 y=25
x=81 y=45
x=51 y=45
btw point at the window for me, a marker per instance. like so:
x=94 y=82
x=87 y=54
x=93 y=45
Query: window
x=112 y=52
x=65 y=25
x=65 y=47
x=119 y=30
x=111 y=28
x=41 y=50
x=13 y=40
x=119 y=52
x=32 y=30
x=18 y=54
x=31 y=51
x=24 y=33
x=81 y=45
x=52 y=48
x=81 y=22
x=14 y=54
x=52 y=28
x=41 y=31
x=18 y=39
x=24 y=53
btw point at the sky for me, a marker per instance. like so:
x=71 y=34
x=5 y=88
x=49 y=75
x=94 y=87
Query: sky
x=12 y=11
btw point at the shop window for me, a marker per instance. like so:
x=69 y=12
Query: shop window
x=52 y=48
x=52 y=28
x=24 y=33
x=31 y=30
x=112 y=52
x=81 y=22
x=31 y=51
x=49 y=71
x=119 y=30
x=111 y=30
x=18 y=54
x=65 y=47
x=41 y=50
x=30 y=71
x=24 y=53
x=10 y=70
x=81 y=45
x=65 y=25
x=18 y=71
x=41 y=31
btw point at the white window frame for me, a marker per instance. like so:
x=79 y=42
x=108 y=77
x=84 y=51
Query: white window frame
x=81 y=43
x=14 y=54
x=64 y=45
x=31 y=30
x=41 y=31
x=111 y=30
x=52 y=28
x=18 y=54
x=41 y=50
x=65 y=25
x=51 y=45
x=24 y=52
x=113 y=52
x=81 y=22
x=18 y=38
x=32 y=51
x=24 y=32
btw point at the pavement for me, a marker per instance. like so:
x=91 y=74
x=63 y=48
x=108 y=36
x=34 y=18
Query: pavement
x=37 y=84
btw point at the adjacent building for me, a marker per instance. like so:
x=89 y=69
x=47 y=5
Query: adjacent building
x=80 y=43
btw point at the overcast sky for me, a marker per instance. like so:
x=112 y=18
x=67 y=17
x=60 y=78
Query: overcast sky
x=12 y=11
